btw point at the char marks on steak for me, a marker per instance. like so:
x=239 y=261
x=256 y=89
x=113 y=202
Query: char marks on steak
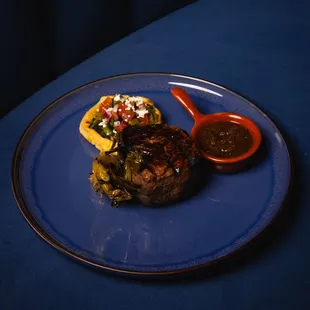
x=169 y=165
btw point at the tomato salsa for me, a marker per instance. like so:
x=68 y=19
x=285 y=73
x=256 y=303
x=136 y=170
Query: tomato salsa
x=117 y=112
x=225 y=139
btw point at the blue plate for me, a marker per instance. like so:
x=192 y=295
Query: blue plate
x=50 y=181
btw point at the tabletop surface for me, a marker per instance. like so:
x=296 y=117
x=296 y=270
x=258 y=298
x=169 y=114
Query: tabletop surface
x=259 y=49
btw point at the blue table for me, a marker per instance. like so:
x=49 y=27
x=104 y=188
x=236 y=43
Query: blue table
x=260 y=49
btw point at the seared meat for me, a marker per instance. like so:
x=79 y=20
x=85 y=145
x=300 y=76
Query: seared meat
x=157 y=164
x=168 y=162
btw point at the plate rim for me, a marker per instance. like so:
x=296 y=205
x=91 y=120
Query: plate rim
x=16 y=188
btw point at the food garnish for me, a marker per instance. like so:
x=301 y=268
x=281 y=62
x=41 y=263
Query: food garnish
x=102 y=123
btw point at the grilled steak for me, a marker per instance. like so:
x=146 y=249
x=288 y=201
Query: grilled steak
x=160 y=163
x=167 y=159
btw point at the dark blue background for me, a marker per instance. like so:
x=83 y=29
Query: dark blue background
x=258 y=48
x=42 y=39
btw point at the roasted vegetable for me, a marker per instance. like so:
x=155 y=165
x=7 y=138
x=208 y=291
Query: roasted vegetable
x=104 y=179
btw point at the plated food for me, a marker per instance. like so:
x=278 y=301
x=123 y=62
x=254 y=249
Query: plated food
x=52 y=189
x=156 y=164
x=111 y=114
x=141 y=158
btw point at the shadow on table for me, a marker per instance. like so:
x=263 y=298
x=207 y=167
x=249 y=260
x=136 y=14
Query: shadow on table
x=267 y=240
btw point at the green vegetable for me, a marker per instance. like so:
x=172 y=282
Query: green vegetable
x=134 y=161
x=111 y=122
x=108 y=130
x=98 y=116
x=94 y=124
x=108 y=161
x=115 y=102
x=100 y=171
x=105 y=180
x=153 y=115
x=134 y=121
x=128 y=173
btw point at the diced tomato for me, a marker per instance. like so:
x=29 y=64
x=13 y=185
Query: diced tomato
x=102 y=109
x=105 y=104
x=121 y=108
x=120 y=127
x=144 y=119
x=115 y=116
x=127 y=115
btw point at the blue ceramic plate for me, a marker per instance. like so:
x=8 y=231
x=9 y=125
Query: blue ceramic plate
x=50 y=181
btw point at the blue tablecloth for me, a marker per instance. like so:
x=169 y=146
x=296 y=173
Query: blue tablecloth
x=258 y=48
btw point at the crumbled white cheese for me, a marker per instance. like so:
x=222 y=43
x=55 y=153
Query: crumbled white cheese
x=141 y=107
x=139 y=103
x=115 y=108
x=103 y=123
x=114 y=131
x=118 y=97
x=141 y=113
x=138 y=100
x=109 y=110
x=117 y=123
x=129 y=106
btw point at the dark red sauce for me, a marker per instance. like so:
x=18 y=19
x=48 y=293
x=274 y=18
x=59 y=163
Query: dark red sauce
x=225 y=139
